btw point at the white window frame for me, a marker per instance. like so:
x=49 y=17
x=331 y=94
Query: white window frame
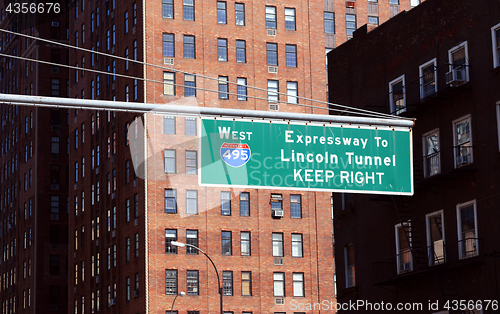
x=450 y=58
x=455 y=143
x=496 y=54
x=424 y=152
x=432 y=261
x=459 y=228
x=398 y=262
x=421 y=76
x=391 y=99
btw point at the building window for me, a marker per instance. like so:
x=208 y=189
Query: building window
x=170 y=201
x=136 y=205
x=459 y=61
x=191 y=161
x=432 y=157
x=170 y=235
x=190 y=126
x=191 y=238
x=168 y=125
x=55 y=87
x=245 y=204
x=126 y=22
x=297 y=245
x=272 y=53
x=241 y=55
x=403 y=248
x=295 y=206
x=292 y=93
x=227 y=283
x=435 y=237
x=298 y=284
x=270 y=17
x=189 y=47
x=428 y=75
x=221 y=12
x=350 y=22
x=246 y=283
x=191 y=202
x=226 y=240
x=467 y=230
x=373 y=20
x=188 y=10
x=171 y=281
x=54 y=145
x=223 y=87
x=192 y=283
x=54 y=264
x=225 y=203
x=168 y=45
x=222 y=49
x=189 y=85
x=241 y=88
x=279 y=284
x=239 y=14
x=329 y=18
x=350 y=274
x=397 y=95
x=245 y=243
x=495 y=39
x=462 y=141
x=168 y=83
x=272 y=91
x=290 y=19
x=136 y=247
x=277 y=244
x=169 y=160
x=291 y=56
x=168 y=9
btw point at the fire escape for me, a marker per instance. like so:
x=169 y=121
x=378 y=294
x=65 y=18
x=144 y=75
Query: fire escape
x=414 y=257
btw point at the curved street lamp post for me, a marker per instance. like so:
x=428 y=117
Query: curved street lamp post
x=182 y=294
x=180 y=244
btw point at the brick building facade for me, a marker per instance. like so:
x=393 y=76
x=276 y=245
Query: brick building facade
x=118 y=218
x=33 y=158
x=438 y=245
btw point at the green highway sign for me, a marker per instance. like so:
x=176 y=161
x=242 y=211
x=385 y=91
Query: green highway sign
x=295 y=156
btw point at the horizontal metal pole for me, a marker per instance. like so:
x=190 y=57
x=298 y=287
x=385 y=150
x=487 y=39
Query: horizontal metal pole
x=57 y=102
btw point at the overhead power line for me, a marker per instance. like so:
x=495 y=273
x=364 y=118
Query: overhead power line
x=344 y=109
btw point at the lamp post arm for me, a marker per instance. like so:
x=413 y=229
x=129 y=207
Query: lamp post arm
x=172 y=309
x=216 y=272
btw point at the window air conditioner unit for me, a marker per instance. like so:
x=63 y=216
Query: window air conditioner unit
x=54 y=70
x=406 y=267
x=455 y=76
x=279 y=301
x=274 y=107
x=277 y=213
x=112 y=301
x=272 y=69
x=278 y=261
x=113 y=233
x=168 y=61
x=54 y=24
x=461 y=160
x=135 y=293
x=271 y=32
